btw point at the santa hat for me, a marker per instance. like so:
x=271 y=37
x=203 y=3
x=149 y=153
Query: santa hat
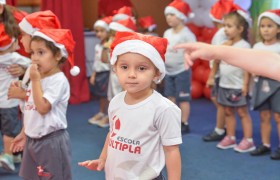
x=274 y=15
x=123 y=25
x=152 y=47
x=180 y=9
x=122 y=13
x=2 y=1
x=219 y=9
x=5 y=40
x=241 y=12
x=63 y=40
x=104 y=22
x=147 y=23
x=39 y=20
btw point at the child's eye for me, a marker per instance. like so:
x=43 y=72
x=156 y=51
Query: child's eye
x=123 y=67
x=142 y=68
x=40 y=52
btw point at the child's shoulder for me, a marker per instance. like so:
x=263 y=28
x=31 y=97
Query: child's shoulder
x=242 y=44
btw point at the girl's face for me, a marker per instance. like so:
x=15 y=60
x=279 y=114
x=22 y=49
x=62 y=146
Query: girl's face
x=268 y=30
x=232 y=30
x=26 y=40
x=136 y=73
x=45 y=59
x=172 y=20
x=101 y=33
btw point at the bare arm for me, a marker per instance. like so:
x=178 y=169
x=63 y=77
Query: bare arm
x=248 y=59
x=173 y=162
x=42 y=105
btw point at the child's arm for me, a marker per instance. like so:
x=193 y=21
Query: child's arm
x=248 y=59
x=92 y=78
x=42 y=105
x=105 y=55
x=246 y=79
x=211 y=79
x=173 y=162
x=18 y=142
x=16 y=70
x=97 y=164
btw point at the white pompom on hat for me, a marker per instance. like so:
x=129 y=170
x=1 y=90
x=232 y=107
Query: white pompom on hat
x=39 y=20
x=274 y=15
x=122 y=13
x=123 y=25
x=147 y=22
x=62 y=39
x=152 y=47
x=2 y=1
x=5 y=40
x=104 y=22
x=180 y=9
x=219 y=9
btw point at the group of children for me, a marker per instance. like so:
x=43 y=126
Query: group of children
x=145 y=127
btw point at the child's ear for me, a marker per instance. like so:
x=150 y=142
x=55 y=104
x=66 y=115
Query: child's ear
x=156 y=79
x=58 y=56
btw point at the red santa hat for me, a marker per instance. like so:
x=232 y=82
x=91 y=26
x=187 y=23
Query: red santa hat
x=152 y=47
x=241 y=12
x=62 y=39
x=122 y=13
x=180 y=9
x=147 y=23
x=123 y=25
x=39 y=20
x=104 y=22
x=274 y=15
x=2 y=1
x=5 y=40
x=219 y=9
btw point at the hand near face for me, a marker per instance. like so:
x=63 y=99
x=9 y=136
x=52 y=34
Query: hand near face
x=34 y=73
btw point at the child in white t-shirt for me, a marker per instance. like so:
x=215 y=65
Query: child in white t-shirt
x=144 y=126
x=47 y=151
x=10 y=124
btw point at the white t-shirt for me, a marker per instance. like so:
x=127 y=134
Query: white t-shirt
x=272 y=47
x=98 y=65
x=231 y=77
x=57 y=91
x=6 y=78
x=174 y=59
x=137 y=135
x=218 y=39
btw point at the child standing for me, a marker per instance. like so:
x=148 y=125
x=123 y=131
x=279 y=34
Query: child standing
x=101 y=70
x=47 y=151
x=177 y=82
x=233 y=85
x=10 y=124
x=218 y=10
x=144 y=126
x=267 y=91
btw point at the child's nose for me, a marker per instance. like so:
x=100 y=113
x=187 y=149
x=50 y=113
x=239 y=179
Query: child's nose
x=132 y=73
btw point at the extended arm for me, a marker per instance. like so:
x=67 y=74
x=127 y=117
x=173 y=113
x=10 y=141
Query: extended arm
x=173 y=162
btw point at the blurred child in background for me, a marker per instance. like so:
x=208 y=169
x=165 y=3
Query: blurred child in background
x=266 y=96
x=177 y=81
x=147 y=25
x=233 y=85
x=101 y=70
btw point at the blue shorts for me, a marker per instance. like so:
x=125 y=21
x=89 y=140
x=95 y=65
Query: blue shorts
x=101 y=82
x=10 y=125
x=272 y=103
x=178 y=86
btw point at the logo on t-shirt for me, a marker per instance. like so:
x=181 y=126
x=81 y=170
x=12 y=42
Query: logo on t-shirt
x=121 y=143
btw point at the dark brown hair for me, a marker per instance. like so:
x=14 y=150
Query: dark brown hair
x=50 y=45
x=7 y=18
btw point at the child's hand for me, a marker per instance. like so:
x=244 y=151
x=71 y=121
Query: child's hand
x=244 y=90
x=34 y=73
x=15 y=91
x=16 y=70
x=94 y=165
x=210 y=82
x=18 y=143
x=92 y=79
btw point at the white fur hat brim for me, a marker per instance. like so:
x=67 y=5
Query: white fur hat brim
x=118 y=27
x=25 y=26
x=140 y=47
x=274 y=17
x=100 y=23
